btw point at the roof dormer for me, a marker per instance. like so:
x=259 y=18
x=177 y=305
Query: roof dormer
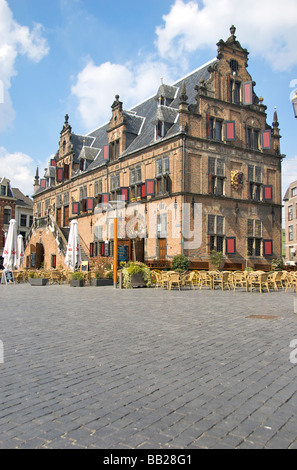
x=117 y=130
x=166 y=94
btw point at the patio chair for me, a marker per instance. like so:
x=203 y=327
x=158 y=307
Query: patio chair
x=291 y=281
x=190 y=279
x=275 y=280
x=205 y=279
x=156 y=277
x=174 y=279
x=238 y=279
x=164 y=279
x=259 y=281
x=222 y=280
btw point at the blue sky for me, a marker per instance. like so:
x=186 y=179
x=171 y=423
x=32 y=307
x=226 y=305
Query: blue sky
x=74 y=56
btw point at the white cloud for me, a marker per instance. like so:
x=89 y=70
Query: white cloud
x=97 y=85
x=19 y=168
x=289 y=172
x=266 y=27
x=15 y=39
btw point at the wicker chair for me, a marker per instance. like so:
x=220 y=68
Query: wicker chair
x=238 y=279
x=221 y=280
x=205 y=279
x=260 y=281
x=191 y=280
x=174 y=279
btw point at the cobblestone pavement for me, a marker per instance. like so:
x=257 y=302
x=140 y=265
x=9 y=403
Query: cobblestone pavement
x=97 y=367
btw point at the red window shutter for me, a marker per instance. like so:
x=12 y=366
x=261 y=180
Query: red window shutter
x=53 y=162
x=267 y=247
x=247 y=93
x=267 y=193
x=75 y=208
x=230 y=130
x=209 y=184
x=90 y=204
x=106 y=153
x=60 y=175
x=105 y=198
x=231 y=245
x=266 y=140
x=125 y=194
x=150 y=187
x=143 y=193
x=91 y=250
x=43 y=184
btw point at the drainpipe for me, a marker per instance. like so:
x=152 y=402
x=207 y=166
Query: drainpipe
x=183 y=190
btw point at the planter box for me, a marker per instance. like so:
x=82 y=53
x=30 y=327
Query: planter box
x=39 y=281
x=102 y=282
x=76 y=283
x=137 y=280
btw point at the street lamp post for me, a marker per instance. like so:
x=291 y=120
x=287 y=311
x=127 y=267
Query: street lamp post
x=294 y=103
x=115 y=251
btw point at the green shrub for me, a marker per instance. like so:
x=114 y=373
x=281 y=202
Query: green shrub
x=77 y=276
x=131 y=268
x=216 y=258
x=277 y=264
x=180 y=263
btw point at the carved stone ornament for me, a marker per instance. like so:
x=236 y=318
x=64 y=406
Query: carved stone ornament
x=236 y=179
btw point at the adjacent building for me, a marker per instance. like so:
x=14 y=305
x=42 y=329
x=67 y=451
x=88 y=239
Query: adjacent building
x=197 y=167
x=13 y=205
x=290 y=200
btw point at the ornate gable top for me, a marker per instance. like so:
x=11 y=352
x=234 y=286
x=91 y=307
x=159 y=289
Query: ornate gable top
x=231 y=42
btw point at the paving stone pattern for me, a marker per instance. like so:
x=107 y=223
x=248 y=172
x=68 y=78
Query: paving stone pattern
x=97 y=367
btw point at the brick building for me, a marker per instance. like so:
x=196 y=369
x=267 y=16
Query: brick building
x=290 y=200
x=197 y=165
x=13 y=205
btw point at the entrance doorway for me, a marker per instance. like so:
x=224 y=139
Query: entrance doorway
x=162 y=249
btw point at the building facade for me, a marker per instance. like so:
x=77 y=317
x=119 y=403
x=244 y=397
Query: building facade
x=290 y=200
x=13 y=205
x=197 y=169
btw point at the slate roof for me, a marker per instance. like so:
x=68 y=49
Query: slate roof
x=140 y=121
x=22 y=200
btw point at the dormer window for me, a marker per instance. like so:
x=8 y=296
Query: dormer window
x=233 y=91
x=114 y=150
x=66 y=172
x=82 y=164
x=160 y=130
x=163 y=101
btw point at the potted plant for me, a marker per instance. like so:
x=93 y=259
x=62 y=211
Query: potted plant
x=36 y=278
x=277 y=264
x=216 y=258
x=102 y=273
x=180 y=263
x=99 y=280
x=77 y=279
x=136 y=274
